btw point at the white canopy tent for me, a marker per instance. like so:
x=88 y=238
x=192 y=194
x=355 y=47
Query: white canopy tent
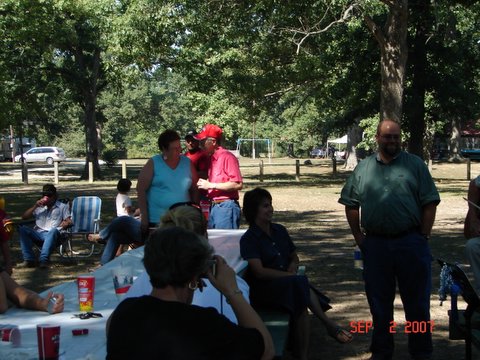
x=342 y=140
x=340 y=149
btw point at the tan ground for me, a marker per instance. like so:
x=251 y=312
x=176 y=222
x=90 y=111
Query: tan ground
x=317 y=224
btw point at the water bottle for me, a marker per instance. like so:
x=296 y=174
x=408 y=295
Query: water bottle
x=301 y=270
x=205 y=206
x=357 y=258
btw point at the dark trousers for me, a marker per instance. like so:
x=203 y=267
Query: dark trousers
x=406 y=260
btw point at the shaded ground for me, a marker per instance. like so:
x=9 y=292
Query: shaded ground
x=310 y=211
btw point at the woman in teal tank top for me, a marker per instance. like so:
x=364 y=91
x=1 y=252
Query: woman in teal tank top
x=166 y=179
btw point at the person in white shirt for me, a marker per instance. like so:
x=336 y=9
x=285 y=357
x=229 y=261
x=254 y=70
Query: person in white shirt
x=51 y=216
x=123 y=229
x=123 y=201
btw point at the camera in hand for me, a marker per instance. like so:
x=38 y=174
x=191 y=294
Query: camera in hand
x=212 y=266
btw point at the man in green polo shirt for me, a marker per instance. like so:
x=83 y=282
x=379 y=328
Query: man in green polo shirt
x=398 y=201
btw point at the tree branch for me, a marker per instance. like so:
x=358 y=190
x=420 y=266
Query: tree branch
x=284 y=91
x=308 y=31
x=375 y=30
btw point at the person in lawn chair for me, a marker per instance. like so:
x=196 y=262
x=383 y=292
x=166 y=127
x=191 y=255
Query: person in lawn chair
x=51 y=216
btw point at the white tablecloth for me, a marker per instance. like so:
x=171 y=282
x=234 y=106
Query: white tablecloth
x=93 y=345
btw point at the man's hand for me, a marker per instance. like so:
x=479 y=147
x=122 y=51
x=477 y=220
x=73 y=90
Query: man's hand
x=204 y=184
x=66 y=223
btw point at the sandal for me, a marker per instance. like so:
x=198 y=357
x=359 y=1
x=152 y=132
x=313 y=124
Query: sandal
x=340 y=335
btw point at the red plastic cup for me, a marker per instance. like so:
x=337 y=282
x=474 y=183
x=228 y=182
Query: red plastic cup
x=86 y=289
x=48 y=337
x=10 y=334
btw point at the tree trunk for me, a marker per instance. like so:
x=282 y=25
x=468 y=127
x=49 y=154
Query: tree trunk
x=354 y=137
x=91 y=137
x=454 y=143
x=89 y=92
x=394 y=54
x=415 y=109
x=393 y=57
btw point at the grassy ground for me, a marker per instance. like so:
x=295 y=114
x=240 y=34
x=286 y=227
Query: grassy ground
x=309 y=209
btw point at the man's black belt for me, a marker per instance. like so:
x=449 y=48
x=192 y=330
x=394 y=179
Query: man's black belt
x=393 y=236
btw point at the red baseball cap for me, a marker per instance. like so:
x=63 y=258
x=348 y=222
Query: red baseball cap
x=209 y=130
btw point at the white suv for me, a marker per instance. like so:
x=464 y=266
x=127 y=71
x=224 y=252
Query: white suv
x=49 y=154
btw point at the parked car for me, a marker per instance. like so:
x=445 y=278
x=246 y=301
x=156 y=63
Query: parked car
x=317 y=152
x=47 y=154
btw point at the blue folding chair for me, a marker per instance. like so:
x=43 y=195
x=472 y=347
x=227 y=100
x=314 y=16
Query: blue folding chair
x=86 y=212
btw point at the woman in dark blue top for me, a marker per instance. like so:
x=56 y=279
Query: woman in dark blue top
x=272 y=275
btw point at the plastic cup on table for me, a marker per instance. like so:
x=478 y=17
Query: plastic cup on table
x=11 y=334
x=122 y=281
x=86 y=290
x=48 y=338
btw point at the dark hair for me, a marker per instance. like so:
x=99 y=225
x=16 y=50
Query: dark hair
x=166 y=138
x=49 y=190
x=251 y=202
x=124 y=185
x=174 y=256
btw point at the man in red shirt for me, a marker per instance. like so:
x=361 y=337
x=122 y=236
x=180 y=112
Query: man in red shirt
x=224 y=180
x=197 y=156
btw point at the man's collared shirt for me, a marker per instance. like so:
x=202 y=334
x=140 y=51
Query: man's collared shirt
x=46 y=219
x=224 y=167
x=391 y=196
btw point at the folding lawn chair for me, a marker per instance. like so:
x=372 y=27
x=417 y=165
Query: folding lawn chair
x=86 y=220
x=454 y=281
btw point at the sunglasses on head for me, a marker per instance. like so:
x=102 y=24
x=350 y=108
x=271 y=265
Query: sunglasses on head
x=188 y=203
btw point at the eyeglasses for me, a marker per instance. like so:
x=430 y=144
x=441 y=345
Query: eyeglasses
x=390 y=137
x=87 y=315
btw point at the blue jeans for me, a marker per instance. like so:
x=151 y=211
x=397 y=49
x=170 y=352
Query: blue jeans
x=225 y=215
x=122 y=230
x=406 y=259
x=47 y=240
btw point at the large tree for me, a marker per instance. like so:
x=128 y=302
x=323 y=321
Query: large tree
x=59 y=42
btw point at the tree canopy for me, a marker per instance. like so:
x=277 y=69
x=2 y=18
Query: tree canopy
x=111 y=75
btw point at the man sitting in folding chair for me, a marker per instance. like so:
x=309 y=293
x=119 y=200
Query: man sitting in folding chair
x=51 y=216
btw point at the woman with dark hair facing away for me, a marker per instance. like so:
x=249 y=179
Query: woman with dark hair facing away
x=272 y=272
x=164 y=324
